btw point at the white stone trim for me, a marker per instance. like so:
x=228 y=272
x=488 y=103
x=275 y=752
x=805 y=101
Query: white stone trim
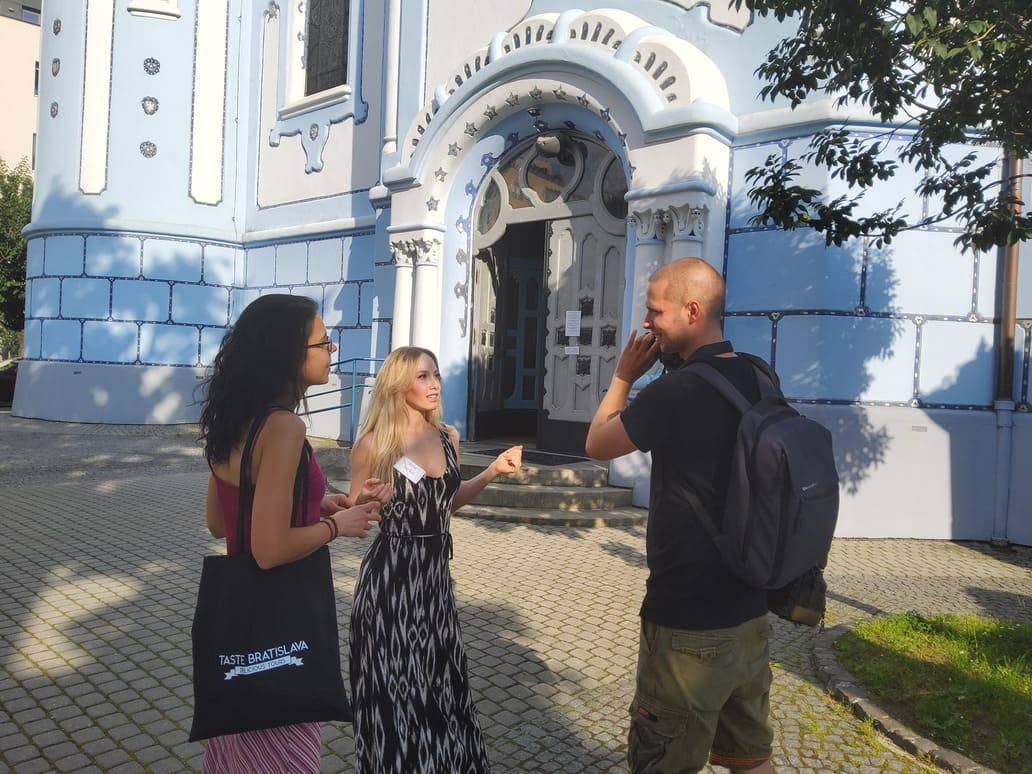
x=208 y=130
x=157 y=9
x=96 y=96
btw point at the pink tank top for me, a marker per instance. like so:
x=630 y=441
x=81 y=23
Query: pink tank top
x=229 y=499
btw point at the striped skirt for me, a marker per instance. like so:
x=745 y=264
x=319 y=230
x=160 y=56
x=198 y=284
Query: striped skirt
x=294 y=749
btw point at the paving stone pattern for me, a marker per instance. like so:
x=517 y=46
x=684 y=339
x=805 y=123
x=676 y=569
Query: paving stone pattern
x=103 y=534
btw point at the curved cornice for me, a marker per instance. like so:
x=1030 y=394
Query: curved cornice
x=645 y=65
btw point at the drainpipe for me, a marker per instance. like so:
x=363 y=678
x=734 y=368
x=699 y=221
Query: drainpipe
x=1004 y=402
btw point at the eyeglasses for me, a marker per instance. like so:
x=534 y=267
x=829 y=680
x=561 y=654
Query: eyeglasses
x=325 y=344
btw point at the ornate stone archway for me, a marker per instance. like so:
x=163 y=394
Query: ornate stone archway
x=657 y=101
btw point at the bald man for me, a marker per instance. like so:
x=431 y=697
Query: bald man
x=703 y=682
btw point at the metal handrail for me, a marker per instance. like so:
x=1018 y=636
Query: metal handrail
x=354 y=361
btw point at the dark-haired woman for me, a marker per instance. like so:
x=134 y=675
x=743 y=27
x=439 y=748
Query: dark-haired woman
x=277 y=349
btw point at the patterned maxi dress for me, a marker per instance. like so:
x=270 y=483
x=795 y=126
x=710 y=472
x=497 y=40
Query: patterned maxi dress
x=410 y=687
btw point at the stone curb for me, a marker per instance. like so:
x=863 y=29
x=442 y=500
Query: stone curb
x=841 y=685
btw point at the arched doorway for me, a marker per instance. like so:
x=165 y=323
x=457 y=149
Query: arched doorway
x=548 y=288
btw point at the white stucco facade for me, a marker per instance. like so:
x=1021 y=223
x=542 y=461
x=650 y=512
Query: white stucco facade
x=187 y=172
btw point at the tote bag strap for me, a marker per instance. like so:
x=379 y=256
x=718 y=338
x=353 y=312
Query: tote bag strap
x=246 y=488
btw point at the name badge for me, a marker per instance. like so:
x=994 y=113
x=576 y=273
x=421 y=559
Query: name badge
x=409 y=470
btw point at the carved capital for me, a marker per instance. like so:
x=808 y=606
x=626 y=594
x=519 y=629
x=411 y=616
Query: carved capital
x=416 y=252
x=689 y=220
x=649 y=223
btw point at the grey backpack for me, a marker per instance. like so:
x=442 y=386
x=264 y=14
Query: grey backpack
x=783 y=490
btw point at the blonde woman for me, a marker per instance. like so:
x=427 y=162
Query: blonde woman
x=410 y=686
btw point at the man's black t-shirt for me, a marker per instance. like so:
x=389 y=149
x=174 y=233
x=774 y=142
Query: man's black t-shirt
x=690 y=430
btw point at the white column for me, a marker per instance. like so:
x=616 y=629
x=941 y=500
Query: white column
x=426 y=295
x=401 y=329
x=390 y=77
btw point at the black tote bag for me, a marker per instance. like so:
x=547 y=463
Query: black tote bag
x=265 y=642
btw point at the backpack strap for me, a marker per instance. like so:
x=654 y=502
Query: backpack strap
x=764 y=368
x=769 y=386
x=768 y=381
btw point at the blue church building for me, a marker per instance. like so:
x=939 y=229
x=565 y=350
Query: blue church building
x=495 y=181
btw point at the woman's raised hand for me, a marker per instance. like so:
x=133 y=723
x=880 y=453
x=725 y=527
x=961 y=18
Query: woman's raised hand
x=509 y=461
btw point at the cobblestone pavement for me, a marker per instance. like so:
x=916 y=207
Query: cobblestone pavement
x=101 y=552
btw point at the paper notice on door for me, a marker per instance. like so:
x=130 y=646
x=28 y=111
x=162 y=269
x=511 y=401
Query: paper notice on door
x=572 y=322
x=571 y=351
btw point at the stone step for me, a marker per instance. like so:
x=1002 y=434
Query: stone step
x=335 y=461
x=616 y=517
x=574 y=494
x=584 y=474
x=563 y=498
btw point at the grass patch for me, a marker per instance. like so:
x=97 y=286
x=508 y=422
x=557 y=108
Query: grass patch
x=964 y=681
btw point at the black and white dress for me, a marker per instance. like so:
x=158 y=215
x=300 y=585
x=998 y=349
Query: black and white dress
x=409 y=680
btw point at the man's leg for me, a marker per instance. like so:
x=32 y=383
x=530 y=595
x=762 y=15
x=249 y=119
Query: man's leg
x=681 y=688
x=744 y=735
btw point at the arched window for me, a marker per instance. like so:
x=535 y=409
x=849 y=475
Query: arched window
x=326 y=45
x=555 y=175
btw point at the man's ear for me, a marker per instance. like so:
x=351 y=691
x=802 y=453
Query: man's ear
x=694 y=309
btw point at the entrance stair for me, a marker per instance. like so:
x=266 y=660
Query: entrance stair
x=548 y=489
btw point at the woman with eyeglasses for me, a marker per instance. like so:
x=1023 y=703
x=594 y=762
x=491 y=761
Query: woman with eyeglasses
x=414 y=713
x=277 y=349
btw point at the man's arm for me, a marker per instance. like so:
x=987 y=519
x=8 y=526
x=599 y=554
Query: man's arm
x=607 y=437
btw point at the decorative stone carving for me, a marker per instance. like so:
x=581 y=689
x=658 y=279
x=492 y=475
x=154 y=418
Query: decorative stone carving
x=689 y=220
x=416 y=252
x=649 y=224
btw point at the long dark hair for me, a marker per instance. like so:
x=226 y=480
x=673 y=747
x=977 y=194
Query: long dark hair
x=258 y=365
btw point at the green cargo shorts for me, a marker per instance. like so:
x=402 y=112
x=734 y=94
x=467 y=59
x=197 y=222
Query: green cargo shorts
x=701 y=696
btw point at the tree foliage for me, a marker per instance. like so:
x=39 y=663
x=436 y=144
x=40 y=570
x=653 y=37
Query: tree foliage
x=15 y=211
x=938 y=73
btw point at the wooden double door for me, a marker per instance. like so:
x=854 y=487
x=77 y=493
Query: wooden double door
x=547 y=306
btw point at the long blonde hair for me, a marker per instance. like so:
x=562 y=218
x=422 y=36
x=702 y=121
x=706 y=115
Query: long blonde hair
x=385 y=416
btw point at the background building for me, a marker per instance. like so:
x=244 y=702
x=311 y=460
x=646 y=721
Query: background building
x=19 y=86
x=496 y=186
